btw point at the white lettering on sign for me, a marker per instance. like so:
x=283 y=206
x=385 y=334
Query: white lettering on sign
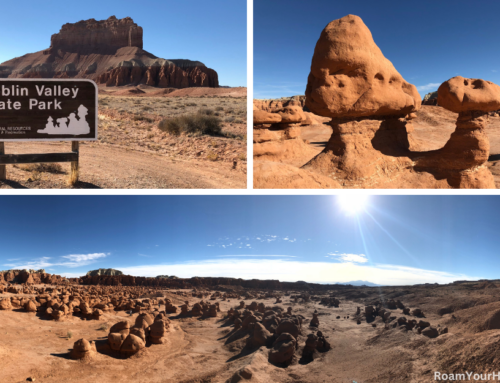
x=9 y=105
x=14 y=90
x=45 y=105
x=56 y=90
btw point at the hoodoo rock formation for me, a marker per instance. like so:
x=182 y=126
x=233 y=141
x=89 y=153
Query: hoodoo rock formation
x=371 y=108
x=353 y=83
x=108 y=52
x=463 y=159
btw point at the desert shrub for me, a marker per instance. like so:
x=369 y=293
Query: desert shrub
x=219 y=108
x=103 y=327
x=53 y=168
x=206 y=111
x=191 y=104
x=242 y=156
x=69 y=334
x=192 y=123
x=138 y=117
x=229 y=119
x=212 y=156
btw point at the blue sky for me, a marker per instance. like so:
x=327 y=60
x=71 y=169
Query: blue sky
x=390 y=240
x=213 y=32
x=427 y=41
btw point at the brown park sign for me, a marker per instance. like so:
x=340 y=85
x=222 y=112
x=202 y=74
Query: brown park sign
x=48 y=110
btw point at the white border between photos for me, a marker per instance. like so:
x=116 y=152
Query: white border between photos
x=249 y=94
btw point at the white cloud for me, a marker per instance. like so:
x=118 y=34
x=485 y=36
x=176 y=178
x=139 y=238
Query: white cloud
x=430 y=86
x=494 y=71
x=82 y=258
x=292 y=271
x=356 y=258
x=241 y=255
x=143 y=255
x=72 y=260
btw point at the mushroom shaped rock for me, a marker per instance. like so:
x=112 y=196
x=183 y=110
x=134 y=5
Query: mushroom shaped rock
x=283 y=349
x=57 y=314
x=430 y=332
x=139 y=332
x=350 y=77
x=291 y=115
x=353 y=83
x=314 y=321
x=460 y=94
x=132 y=345
x=120 y=326
x=30 y=306
x=322 y=345
x=249 y=322
x=196 y=311
x=261 y=117
x=463 y=158
x=288 y=326
x=144 y=320
x=116 y=339
x=310 y=346
x=83 y=349
x=5 y=304
x=157 y=332
x=259 y=337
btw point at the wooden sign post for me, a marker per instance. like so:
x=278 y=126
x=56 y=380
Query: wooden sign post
x=47 y=110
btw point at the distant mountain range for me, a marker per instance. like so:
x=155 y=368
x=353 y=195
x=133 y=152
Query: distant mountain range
x=359 y=283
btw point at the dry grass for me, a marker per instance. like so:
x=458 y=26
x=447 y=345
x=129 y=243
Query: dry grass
x=43 y=168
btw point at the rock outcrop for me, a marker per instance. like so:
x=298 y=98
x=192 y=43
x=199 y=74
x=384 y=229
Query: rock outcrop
x=430 y=99
x=108 y=52
x=104 y=272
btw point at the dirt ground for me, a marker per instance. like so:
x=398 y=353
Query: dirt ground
x=210 y=350
x=132 y=152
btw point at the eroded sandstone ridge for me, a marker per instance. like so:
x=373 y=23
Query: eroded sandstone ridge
x=108 y=52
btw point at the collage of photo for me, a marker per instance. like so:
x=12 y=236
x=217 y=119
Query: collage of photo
x=261 y=191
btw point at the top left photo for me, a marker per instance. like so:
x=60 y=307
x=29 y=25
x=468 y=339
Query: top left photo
x=112 y=95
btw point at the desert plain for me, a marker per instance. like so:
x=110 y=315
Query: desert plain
x=115 y=328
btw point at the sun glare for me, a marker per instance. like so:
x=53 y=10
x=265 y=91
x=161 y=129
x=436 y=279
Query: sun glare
x=352 y=204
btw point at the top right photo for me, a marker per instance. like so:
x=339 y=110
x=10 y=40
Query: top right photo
x=376 y=95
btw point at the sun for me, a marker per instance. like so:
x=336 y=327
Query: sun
x=352 y=204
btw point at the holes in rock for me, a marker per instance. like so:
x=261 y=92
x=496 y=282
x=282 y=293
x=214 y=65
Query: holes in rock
x=379 y=76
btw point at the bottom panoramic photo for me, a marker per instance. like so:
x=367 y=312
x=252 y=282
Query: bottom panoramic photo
x=343 y=288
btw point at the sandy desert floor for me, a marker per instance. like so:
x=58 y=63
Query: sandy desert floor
x=210 y=350
x=132 y=152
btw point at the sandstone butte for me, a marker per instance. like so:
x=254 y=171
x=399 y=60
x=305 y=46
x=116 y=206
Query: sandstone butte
x=109 y=52
x=371 y=108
